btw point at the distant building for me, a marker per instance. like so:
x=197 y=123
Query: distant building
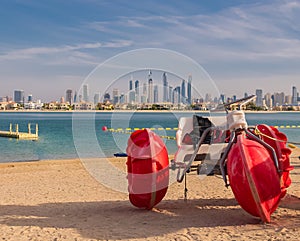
x=131 y=96
x=222 y=98
x=150 y=88
x=189 y=90
x=116 y=96
x=288 y=100
x=155 y=94
x=96 y=98
x=278 y=99
x=19 y=96
x=84 y=106
x=69 y=96
x=75 y=97
x=207 y=97
x=137 y=90
x=106 y=97
x=268 y=100
x=171 y=94
x=30 y=98
x=294 y=96
x=85 y=93
x=259 y=97
x=165 y=88
x=176 y=95
x=182 y=97
x=130 y=84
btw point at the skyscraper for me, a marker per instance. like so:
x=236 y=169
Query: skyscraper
x=278 y=99
x=137 y=90
x=85 y=93
x=171 y=94
x=182 y=98
x=96 y=98
x=30 y=98
x=69 y=96
x=222 y=98
x=294 y=96
x=150 y=88
x=165 y=88
x=115 y=96
x=131 y=96
x=136 y=87
x=259 y=97
x=176 y=95
x=75 y=97
x=155 y=94
x=130 y=84
x=19 y=96
x=189 y=90
x=269 y=101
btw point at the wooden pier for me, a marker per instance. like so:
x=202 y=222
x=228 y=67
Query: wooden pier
x=21 y=135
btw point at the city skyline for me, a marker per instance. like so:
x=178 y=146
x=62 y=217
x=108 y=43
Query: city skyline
x=117 y=96
x=242 y=45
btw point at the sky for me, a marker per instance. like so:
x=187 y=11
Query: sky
x=47 y=47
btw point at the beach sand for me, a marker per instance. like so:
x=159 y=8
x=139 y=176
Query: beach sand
x=60 y=200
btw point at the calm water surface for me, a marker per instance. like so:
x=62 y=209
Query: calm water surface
x=56 y=140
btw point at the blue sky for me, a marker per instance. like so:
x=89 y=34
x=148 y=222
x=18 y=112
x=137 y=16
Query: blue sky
x=47 y=47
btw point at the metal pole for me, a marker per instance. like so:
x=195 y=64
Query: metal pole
x=29 y=128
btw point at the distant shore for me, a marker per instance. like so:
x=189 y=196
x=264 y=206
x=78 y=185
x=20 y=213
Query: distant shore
x=140 y=111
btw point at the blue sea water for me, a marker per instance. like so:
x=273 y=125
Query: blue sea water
x=60 y=131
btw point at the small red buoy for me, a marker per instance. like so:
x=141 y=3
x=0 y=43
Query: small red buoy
x=104 y=128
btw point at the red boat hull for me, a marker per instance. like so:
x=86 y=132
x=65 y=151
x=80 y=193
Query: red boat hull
x=278 y=140
x=148 y=169
x=253 y=178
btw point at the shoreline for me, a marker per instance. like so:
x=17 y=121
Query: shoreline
x=139 y=111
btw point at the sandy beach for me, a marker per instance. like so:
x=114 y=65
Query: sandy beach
x=59 y=200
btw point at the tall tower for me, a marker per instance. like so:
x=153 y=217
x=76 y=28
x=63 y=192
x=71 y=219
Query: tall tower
x=155 y=94
x=269 y=101
x=189 y=90
x=294 y=96
x=150 y=88
x=69 y=96
x=85 y=93
x=130 y=84
x=137 y=91
x=165 y=88
x=96 y=98
x=259 y=97
x=171 y=99
x=176 y=95
x=183 y=92
x=75 y=97
x=115 y=96
x=136 y=87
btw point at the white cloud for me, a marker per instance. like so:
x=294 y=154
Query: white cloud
x=29 y=53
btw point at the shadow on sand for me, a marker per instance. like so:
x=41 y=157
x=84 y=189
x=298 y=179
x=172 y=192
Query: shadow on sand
x=119 y=220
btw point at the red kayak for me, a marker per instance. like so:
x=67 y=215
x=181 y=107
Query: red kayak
x=254 y=178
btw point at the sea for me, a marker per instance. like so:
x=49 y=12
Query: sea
x=66 y=135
